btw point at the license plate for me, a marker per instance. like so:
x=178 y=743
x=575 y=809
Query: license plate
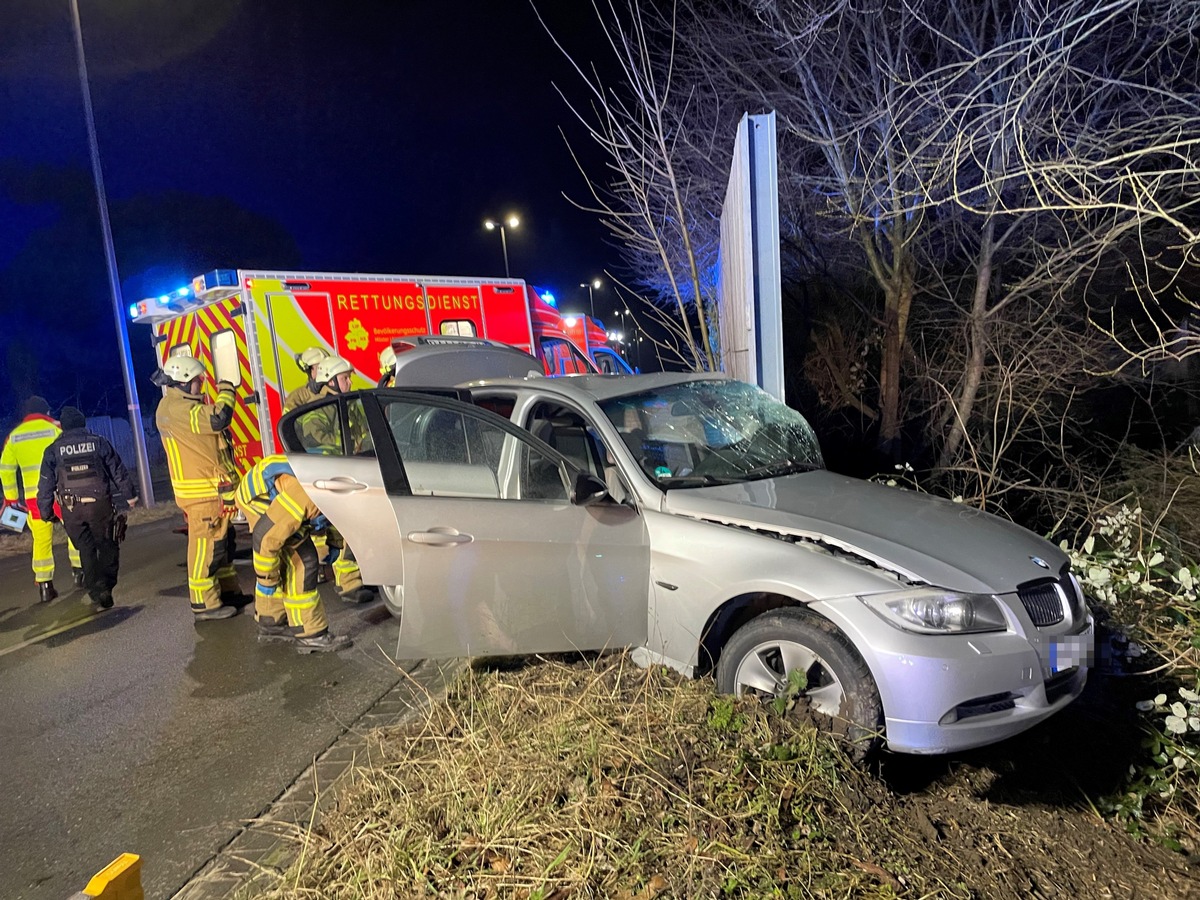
x=1071 y=651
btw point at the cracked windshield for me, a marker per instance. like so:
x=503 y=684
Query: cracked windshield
x=713 y=432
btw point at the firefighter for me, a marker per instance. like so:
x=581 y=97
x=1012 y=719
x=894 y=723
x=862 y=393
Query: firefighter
x=287 y=606
x=204 y=480
x=307 y=361
x=387 y=367
x=322 y=428
x=92 y=486
x=20 y=466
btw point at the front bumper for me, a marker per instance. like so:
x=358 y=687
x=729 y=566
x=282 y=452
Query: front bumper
x=946 y=693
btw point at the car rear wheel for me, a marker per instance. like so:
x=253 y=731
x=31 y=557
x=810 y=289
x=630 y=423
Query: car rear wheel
x=836 y=690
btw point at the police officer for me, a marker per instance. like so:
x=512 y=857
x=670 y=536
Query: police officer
x=204 y=480
x=84 y=473
x=287 y=606
x=20 y=466
x=322 y=428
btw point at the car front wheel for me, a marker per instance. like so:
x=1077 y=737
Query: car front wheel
x=832 y=683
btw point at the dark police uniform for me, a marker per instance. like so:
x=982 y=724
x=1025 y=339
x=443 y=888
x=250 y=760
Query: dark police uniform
x=92 y=486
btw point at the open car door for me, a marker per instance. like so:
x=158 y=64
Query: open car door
x=471 y=522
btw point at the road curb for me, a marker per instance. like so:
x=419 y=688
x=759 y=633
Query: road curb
x=261 y=852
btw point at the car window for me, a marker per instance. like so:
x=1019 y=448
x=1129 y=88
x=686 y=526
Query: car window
x=449 y=452
x=559 y=357
x=329 y=429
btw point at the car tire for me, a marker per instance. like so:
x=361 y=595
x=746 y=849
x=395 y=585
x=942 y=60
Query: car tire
x=393 y=599
x=840 y=695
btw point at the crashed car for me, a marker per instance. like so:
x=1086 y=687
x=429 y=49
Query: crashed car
x=690 y=518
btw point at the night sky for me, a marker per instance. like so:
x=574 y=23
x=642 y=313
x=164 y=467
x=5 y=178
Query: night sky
x=350 y=136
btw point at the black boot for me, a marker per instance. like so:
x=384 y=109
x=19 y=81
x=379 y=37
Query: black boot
x=47 y=591
x=270 y=631
x=77 y=574
x=103 y=599
x=322 y=643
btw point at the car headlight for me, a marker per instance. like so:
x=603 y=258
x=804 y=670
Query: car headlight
x=933 y=611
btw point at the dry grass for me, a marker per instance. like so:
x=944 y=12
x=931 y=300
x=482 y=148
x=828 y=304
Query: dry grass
x=600 y=779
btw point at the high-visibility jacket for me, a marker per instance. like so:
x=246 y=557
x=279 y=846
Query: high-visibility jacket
x=322 y=427
x=306 y=393
x=199 y=457
x=271 y=489
x=21 y=459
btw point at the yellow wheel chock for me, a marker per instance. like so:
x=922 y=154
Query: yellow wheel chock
x=121 y=879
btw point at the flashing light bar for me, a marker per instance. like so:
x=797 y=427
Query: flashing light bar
x=215 y=285
x=549 y=298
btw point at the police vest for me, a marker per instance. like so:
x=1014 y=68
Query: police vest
x=80 y=469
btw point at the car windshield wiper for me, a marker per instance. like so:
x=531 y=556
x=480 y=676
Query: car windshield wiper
x=686 y=481
x=779 y=469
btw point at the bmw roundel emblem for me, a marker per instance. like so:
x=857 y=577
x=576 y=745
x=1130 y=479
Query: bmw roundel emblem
x=1038 y=561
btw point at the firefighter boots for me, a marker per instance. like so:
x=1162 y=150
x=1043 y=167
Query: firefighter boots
x=46 y=591
x=270 y=631
x=322 y=643
x=77 y=576
x=358 y=595
x=217 y=612
x=104 y=600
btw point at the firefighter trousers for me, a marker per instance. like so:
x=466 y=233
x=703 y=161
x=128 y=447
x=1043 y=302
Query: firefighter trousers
x=287 y=582
x=90 y=528
x=43 y=550
x=212 y=542
x=346 y=574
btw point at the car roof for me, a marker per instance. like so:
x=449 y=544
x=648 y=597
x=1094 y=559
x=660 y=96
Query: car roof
x=597 y=387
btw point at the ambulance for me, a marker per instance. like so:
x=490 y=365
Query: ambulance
x=248 y=327
x=588 y=335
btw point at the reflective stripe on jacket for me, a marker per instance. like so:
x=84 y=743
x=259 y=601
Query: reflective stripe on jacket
x=193 y=435
x=21 y=459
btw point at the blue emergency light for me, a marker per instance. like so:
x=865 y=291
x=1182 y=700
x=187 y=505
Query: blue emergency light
x=549 y=298
x=215 y=279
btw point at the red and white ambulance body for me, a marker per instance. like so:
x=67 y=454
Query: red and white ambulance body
x=588 y=335
x=248 y=327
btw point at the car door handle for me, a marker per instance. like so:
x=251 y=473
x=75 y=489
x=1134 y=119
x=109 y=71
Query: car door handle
x=340 y=484
x=439 y=537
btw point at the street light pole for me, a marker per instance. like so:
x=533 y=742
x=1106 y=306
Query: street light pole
x=594 y=283
x=490 y=225
x=114 y=282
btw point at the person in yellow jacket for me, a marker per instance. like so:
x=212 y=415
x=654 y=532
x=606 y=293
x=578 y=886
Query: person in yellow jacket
x=20 y=467
x=281 y=515
x=307 y=361
x=204 y=480
x=387 y=367
x=322 y=427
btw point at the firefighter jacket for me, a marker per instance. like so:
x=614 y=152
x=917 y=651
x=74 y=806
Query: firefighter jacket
x=302 y=395
x=81 y=466
x=271 y=493
x=21 y=460
x=198 y=453
x=322 y=428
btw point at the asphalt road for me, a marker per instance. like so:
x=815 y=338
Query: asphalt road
x=140 y=730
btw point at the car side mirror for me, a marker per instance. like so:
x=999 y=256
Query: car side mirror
x=587 y=489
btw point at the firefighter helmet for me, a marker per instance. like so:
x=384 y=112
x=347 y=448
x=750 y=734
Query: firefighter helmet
x=330 y=368
x=387 y=360
x=182 y=369
x=310 y=358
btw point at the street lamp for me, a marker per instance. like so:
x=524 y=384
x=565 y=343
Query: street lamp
x=492 y=225
x=594 y=283
x=114 y=281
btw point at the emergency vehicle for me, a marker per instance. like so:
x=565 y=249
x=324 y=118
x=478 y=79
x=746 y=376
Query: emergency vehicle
x=588 y=335
x=248 y=327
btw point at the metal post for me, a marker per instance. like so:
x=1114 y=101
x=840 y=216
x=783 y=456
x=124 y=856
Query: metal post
x=504 y=247
x=114 y=282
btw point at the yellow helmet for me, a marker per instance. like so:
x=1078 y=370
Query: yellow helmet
x=329 y=368
x=182 y=369
x=387 y=360
x=310 y=358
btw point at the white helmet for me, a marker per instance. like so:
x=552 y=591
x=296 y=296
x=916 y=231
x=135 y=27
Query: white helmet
x=329 y=368
x=311 y=357
x=182 y=369
x=387 y=360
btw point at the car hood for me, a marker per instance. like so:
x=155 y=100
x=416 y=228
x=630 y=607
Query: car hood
x=924 y=538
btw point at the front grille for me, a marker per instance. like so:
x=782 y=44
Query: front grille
x=1043 y=601
x=1073 y=594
